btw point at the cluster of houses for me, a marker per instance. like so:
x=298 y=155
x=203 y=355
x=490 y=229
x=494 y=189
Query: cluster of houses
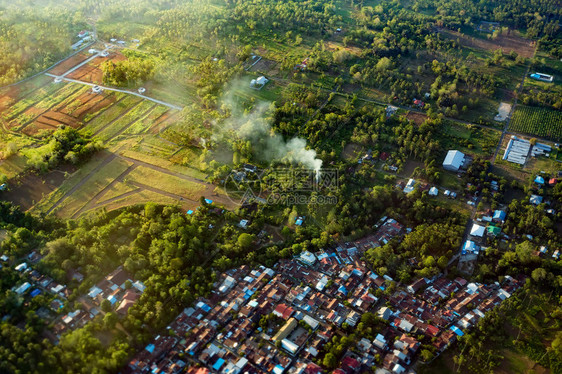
x=489 y=225
x=443 y=309
x=113 y=288
x=541 y=182
x=118 y=289
x=83 y=37
x=279 y=319
x=273 y=320
x=34 y=283
x=431 y=190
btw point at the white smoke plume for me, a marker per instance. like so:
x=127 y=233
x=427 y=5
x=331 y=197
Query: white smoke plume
x=267 y=145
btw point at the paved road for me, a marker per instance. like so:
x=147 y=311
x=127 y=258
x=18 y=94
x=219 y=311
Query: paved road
x=119 y=90
x=94 y=56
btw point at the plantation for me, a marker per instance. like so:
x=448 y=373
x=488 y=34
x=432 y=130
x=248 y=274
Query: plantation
x=537 y=121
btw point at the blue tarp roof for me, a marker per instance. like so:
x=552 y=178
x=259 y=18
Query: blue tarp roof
x=35 y=292
x=150 y=348
x=205 y=307
x=499 y=214
x=539 y=179
x=190 y=211
x=218 y=364
x=457 y=331
x=208 y=201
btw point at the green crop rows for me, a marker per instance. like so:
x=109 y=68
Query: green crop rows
x=541 y=122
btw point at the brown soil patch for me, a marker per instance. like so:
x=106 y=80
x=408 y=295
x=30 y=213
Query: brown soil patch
x=71 y=114
x=507 y=43
x=264 y=66
x=37 y=129
x=334 y=46
x=27 y=115
x=31 y=188
x=93 y=106
x=91 y=72
x=350 y=151
x=418 y=118
x=69 y=63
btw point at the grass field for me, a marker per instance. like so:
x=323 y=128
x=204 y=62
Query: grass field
x=469 y=139
x=165 y=182
x=47 y=203
x=163 y=163
x=13 y=166
x=537 y=121
x=122 y=122
x=142 y=197
x=96 y=183
x=116 y=190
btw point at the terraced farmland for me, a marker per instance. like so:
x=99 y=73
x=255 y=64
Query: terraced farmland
x=543 y=122
x=137 y=165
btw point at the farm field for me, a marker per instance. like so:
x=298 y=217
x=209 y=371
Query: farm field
x=92 y=187
x=507 y=42
x=147 y=178
x=122 y=121
x=541 y=122
x=469 y=139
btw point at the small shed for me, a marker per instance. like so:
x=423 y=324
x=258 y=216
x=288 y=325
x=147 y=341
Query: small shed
x=535 y=199
x=499 y=215
x=433 y=191
x=539 y=180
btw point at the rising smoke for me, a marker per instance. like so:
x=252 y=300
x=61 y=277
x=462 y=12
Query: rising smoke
x=255 y=126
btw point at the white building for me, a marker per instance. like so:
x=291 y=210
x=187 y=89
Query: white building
x=477 y=230
x=453 y=161
x=308 y=258
x=410 y=185
x=517 y=150
x=289 y=346
x=259 y=82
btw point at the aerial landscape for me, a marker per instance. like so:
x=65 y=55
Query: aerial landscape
x=288 y=187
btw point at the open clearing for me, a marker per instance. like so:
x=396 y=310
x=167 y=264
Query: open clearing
x=503 y=112
x=417 y=118
x=91 y=72
x=31 y=188
x=507 y=43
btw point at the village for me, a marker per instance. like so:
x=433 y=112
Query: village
x=279 y=320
